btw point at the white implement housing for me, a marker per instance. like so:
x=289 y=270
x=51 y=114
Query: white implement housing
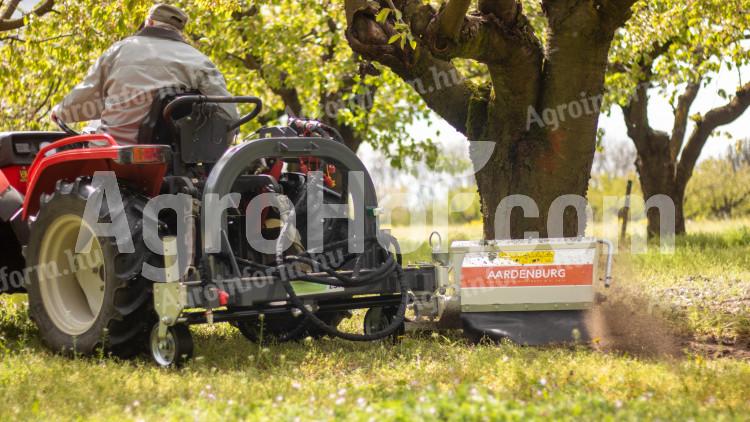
x=533 y=291
x=525 y=275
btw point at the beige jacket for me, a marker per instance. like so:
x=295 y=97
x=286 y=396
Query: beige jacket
x=120 y=86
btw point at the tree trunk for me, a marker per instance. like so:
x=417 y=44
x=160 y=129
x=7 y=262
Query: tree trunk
x=540 y=107
x=548 y=161
x=656 y=172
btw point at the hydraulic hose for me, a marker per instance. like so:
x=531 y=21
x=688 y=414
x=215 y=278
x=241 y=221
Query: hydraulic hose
x=394 y=325
x=385 y=270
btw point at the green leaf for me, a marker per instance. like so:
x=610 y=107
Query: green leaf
x=382 y=15
x=394 y=38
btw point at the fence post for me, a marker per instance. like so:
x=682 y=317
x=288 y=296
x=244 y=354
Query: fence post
x=625 y=213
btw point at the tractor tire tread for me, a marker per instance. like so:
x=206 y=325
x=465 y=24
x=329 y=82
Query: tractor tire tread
x=129 y=315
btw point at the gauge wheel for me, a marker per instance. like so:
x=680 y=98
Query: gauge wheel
x=175 y=349
x=379 y=318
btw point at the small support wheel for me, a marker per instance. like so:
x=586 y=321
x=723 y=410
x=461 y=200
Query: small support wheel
x=173 y=351
x=379 y=318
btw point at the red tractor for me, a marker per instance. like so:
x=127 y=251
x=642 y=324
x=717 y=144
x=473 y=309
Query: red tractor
x=123 y=246
x=86 y=291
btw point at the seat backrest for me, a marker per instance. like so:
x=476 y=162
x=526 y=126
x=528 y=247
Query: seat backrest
x=204 y=134
x=154 y=129
x=198 y=132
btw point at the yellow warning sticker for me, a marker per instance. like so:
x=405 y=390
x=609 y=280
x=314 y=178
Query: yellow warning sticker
x=529 y=257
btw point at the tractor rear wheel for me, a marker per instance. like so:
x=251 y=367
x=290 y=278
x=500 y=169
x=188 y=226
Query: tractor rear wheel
x=96 y=297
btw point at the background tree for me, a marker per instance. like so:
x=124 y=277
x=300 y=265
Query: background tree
x=677 y=48
x=9 y=8
x=720 y=187
x=545 y=57
x=295 y=54
x=45 y=57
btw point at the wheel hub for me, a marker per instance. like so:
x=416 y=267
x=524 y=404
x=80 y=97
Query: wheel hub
x=72 y=284
x=163 y=350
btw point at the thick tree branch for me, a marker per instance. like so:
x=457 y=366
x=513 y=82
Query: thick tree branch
x=635 y=114
x=7 y=24
x=575 y=40
x=498 y=33
x=614 y=13
x=451 y=18
x=505 y=10
x=681 y=116
x=438 y=82
x=704 y=127
x=8 y=12
x=493 y=36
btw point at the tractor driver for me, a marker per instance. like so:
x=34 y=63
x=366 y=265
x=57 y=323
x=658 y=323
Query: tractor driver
x=120 y=87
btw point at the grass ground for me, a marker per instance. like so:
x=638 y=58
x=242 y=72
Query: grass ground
x=701 y=294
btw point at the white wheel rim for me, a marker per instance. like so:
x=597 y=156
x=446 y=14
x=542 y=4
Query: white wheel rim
x=163 y=351
x=71 y=284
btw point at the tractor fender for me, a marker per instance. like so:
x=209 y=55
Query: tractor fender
x=236 y=160
x=143 y=166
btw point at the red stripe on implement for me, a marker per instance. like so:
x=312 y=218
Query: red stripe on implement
x=528 y=275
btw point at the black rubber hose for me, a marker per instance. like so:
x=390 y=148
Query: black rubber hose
x=385 y=270
x=339 y=280
x=311 y=318
x=336 y=134
x=318 y=323
x=343 y=281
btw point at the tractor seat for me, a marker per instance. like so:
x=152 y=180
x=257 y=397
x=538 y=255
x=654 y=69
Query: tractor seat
x=154 y=129
x=199 y=133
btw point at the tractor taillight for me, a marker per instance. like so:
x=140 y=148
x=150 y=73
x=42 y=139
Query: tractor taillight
x=147 y=155
x=144 y=154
